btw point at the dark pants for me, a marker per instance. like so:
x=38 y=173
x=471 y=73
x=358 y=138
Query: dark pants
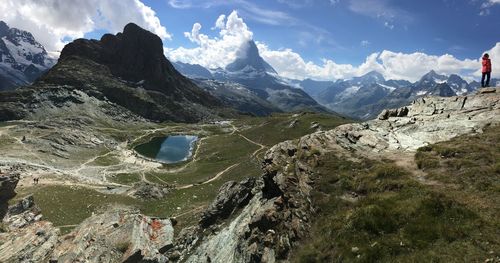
x=487 y=75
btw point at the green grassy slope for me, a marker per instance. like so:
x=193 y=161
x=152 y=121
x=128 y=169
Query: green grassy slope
x=373 y=211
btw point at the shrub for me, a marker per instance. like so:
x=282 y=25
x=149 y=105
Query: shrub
x=388 y=171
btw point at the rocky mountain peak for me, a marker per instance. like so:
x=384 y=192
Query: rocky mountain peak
x=249 y=56
x=433 y=76
x=371 y=77
x=134 y=55
x=22 y=58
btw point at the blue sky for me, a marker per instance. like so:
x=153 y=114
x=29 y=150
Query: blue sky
x=320 y=39
x=347 y=31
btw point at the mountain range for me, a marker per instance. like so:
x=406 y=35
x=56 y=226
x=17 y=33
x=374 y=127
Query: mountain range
x=156 y=90
x=366 y=96
x=126 y=72
x=361 y=97
x=250 y=71
x=22 y=58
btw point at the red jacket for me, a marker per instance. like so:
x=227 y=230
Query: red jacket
x=486 y=65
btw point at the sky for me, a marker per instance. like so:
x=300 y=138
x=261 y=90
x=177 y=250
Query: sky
x=318 y=39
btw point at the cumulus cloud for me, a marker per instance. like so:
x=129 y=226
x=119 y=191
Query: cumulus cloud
x=392 y=65
x=217 y=51
x=485 y=7
x=233 y=33
x=495 y=61
x=54 y=22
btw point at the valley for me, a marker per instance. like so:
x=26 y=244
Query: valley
x=87 y=180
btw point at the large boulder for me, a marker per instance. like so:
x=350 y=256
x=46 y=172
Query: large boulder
x=119 y=235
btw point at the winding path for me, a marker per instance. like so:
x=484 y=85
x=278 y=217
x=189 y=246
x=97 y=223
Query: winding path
x=209 y=180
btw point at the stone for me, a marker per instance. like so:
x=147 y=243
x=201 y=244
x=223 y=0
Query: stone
x=137 y=238
x=486 y=90
x=149 y=191
x=293 y=123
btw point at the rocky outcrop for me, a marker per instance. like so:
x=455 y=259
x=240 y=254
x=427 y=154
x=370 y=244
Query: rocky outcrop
x=8 y=183
x=149 y=191
x=22 y=214
x=117 y=236
x=386 y=114
x=32 y=243
x=278 y=215
x=427 y=120
x=28 y=239
x=232 y=195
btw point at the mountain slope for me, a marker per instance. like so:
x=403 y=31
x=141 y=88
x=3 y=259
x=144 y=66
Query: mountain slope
x=128 y=70
x=22 y=58
x=192 y=71
x=236 y=96
x=254 y=73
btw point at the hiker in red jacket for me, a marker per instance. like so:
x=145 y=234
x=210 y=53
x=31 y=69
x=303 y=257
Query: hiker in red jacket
x=486 y=70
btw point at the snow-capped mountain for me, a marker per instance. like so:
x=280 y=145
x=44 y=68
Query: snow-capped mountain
x=22 y=58
x=249 y=60
x=252 y=72
x=364 y=97
x=430 y=80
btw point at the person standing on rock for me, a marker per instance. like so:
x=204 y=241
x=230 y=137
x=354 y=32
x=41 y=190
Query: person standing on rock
x=486 y=71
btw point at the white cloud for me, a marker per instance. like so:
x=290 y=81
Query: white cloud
x=296 y=3
x=219 y=23
x=389 y=25
x=485 y=7
x=217 y=51
x=194 y=35
x=383 y=10
x=365 y=43
x=220 y=51
x=53 y=22
x=495 y=61
x=392 y=65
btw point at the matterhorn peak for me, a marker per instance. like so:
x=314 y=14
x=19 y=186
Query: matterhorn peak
x=248 y=56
